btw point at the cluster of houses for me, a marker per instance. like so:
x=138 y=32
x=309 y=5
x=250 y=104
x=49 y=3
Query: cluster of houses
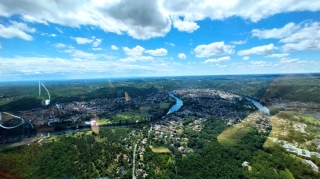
x=306 y=154
x=194 y=93
x=213 y=104
x=281 y=104
x=259 y=120
x=74 y=110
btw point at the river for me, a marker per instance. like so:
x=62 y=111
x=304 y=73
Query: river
x=259 y=106
x=176 y=106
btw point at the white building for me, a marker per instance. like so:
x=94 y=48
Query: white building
x=304 y=153
x=245 y=164
x=313 y=166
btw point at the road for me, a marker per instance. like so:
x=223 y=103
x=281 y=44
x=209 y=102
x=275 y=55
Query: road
x=150 y=130
x=134 y=155
x=134 y=159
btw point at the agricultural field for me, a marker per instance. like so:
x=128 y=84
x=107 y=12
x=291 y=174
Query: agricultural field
x=160 y=149
x=164 y=105
x=104 y=121
x=131 y=116
x=144 y=108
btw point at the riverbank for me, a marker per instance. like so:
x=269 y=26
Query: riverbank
x=259 y=106
x=84 y=128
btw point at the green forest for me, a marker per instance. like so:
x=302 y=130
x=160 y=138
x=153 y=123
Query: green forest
x=219 y=160
x=93 y=155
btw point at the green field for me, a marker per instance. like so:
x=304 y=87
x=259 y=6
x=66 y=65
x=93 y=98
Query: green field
x=144 y=108
x=160 y=149
x=232 y=135
x=132 y=113
x=180 y=131
x=104 y=121
x=269 y=144
x=88 y=132
x=98 y=139
x=164 y=105
x=302 y=118
x=129 y=116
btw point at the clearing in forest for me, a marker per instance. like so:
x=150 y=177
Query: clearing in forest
x=164 y=105
x=160 y=149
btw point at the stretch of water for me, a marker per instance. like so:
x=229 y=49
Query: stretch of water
x=176 y=106
x=259 y=106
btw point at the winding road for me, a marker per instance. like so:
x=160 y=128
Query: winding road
x=134 y=159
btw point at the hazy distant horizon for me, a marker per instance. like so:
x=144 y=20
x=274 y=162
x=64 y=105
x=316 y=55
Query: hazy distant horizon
x=139 y=77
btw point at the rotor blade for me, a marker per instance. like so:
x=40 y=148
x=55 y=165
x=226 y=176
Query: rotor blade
x=46 y=90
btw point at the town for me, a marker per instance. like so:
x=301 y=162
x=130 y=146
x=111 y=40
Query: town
x=152 y=131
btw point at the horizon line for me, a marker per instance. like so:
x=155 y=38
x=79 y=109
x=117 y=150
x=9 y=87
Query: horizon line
x=135 y=77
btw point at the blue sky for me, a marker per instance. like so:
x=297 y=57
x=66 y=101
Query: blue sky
x=105 y=39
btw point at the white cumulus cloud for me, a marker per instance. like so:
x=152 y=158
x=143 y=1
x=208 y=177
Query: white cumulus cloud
x=136 y=59
x=111 y=16
x=136 y=51
x=303 y=31
x=264 y=49
x=157 y=52
x=278 y=55
x=256 y=64
x=81 y=40
x=296 y=37
x=96 y=43
x=185 y=25
x=246 y=58
x=60 y=45
x=217 y=10
x=240 y=42
x=182 y=56
x=215 y=48
x=32 y=19
x=16 y=29
x=135 y=54
x=218 y=60
x=288 y=61
x=275 y=32
x=312 y=44
x=113 y=47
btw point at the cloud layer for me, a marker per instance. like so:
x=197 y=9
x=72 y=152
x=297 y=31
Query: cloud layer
x=120 y=16
x=221 y=59
x=264 y=49
x=86 y=36
x=296 y=37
